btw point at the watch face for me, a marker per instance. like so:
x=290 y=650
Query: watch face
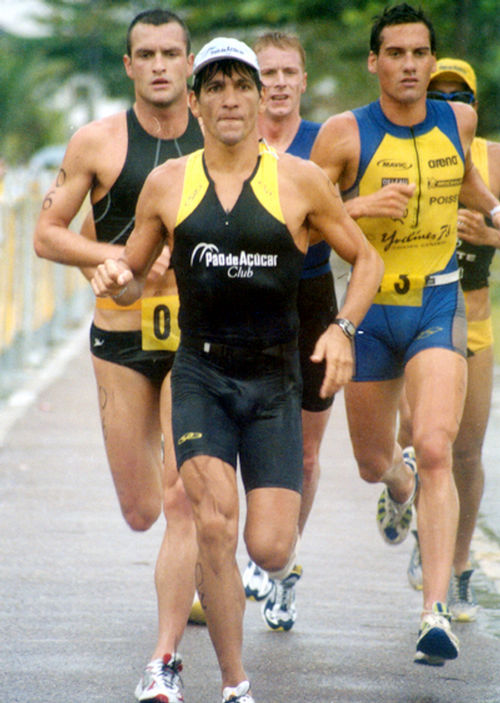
x=347 y=327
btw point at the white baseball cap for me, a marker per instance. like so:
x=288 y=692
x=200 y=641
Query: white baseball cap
x=225 y=48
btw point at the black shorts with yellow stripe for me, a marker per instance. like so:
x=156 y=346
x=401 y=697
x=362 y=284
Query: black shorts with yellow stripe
x=240 y=405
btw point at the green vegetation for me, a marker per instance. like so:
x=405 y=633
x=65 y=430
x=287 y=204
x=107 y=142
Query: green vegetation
x=27 y=120
x=85 y=38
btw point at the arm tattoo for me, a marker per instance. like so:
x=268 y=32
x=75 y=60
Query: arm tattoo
x=47 y=201
x=61 y=178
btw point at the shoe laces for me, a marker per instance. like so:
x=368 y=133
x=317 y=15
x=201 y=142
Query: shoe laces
x=439 y=616
x=432 y=620
x=168 y=670
x=394 y=508
x=462 y=589
x=284 y=595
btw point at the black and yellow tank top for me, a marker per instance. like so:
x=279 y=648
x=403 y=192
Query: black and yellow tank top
x=114 y=214
x=237 y=272
x=475 y=261
x=429 y=154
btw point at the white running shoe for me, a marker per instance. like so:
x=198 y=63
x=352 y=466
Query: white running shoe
x=279 y=610
x=410 y=458
x=393 y=518
x=161 y=681
x=256 y=582
x=436 y=642
x=239 y=694
x=462 y=602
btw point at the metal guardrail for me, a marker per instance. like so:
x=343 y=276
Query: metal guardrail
x=40 y=302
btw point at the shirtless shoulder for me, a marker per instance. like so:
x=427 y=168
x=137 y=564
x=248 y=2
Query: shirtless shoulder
x=466 y=118
x=298 y=179
x=297 y=171
x=98 y=149
x=337 y=148
x=304 y=189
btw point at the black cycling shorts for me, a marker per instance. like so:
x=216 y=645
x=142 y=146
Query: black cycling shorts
x=240 y=409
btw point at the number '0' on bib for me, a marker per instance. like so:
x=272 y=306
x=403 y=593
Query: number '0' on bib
x=159 y=322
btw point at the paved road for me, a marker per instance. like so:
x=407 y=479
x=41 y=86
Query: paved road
x=77 y=598
x=490 y=507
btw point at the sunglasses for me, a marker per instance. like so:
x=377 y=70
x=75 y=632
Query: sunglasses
x=461 y=96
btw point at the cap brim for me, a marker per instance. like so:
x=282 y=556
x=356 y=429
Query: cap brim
x=451 y=76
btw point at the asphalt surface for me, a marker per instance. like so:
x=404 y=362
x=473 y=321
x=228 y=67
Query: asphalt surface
x=78 y=607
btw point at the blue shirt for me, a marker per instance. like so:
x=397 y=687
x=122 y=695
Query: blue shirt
x=317 y=261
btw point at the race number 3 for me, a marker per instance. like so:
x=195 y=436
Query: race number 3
x=403 y=285
x=160 y=328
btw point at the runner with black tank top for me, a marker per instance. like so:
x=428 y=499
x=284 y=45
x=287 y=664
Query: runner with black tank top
x=151 y=348
x=253 y=263
x=133 y=347
x=239 y=218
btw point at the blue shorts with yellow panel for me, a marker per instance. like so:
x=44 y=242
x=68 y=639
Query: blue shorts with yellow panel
x=390 y=335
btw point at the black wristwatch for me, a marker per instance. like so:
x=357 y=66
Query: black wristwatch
x=346 y=326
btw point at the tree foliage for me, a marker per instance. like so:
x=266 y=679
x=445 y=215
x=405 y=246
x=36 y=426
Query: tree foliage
x=27 y=121
x=87 y=37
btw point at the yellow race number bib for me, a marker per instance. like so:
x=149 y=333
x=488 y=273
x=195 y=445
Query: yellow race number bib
x=159 y=322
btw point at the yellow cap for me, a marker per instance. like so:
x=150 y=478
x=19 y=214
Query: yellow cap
x=456 y=69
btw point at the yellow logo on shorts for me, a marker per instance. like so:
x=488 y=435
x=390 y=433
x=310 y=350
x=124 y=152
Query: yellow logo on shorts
x=429 y=332
x=190 y=435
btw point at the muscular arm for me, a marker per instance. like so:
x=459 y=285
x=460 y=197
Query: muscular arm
x=328 y=219
x=389 y=201
x=337 y=150
x=472 y=226
x=494 y=167
x=474 y=192
x=158 y=270
x=476 y=196
x=80 y=173
x=88 y=230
